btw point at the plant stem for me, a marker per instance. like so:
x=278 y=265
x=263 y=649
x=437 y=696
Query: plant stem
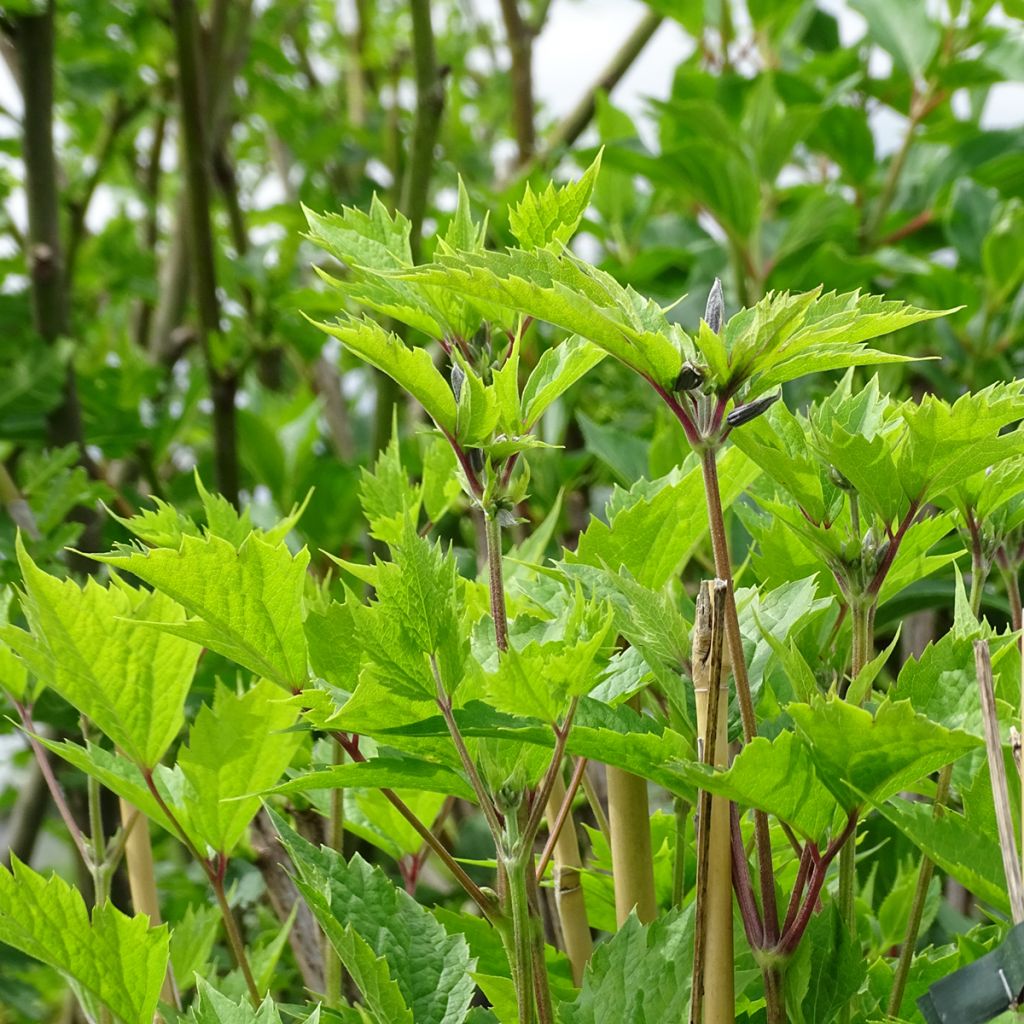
x=517 y=896
x=541 y=984
x=681 y=810
x=231 y=929
x=862 y=614
x=569 y=898
x=485 y=904
x=629 y=825
x=924 y=879
x=723 y=569
x=427 y=122
x=25 y=714
x=336 y=841
x=712 y=994
x=496 y=580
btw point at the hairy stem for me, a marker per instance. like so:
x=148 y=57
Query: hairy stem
x=235 y=940
x=496 y=580
x=336 y=841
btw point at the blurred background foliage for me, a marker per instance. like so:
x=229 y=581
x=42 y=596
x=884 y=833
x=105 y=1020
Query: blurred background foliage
x=148 y=329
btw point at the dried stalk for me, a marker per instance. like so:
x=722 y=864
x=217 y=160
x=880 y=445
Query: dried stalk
x=1000 y=790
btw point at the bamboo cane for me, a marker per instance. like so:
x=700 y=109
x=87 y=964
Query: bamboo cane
x=713 y=1000
x=569 y=898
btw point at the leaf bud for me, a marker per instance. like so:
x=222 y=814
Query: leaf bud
x=458 y=379
x=745 y=413
x=690 y=377
x=839 y=480
x=714 y=314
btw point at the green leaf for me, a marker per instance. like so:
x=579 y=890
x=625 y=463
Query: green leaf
x=92 y=645
x=476 y=408
x=777 y=776
x=247 y=602
x=431 y=968
x=956 y=845
x=948 y=443
x=383 y=772
x=376 y=239
x=902 y=29
x=382 y=995
x=192 y=939
x=830 y=333
x=334 y=653
x=538 y=680
x=863 y=756
x=386 y=494
x=826 y=971
x=218 y=773
x=642 y=973
x=554 y=214
x=113 y=960
x=213 y=1007
x=411 y=368
x=556 y=371
x=658 y=526
x=563 y=290
x=415 y=621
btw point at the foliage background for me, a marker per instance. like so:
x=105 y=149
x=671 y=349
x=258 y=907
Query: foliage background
x=876 y=145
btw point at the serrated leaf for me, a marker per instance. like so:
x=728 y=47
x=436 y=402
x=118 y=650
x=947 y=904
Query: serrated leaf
x=412 y=368
x=213 y=1007
x=565 y=291
x=777 y=776
x=415 y=621
x=554 y=214
x=116 y=960
x=218 y=773
x=538 y=680
x=382 y=996
x=658 y=526
x=386 y=494
x=863 y=756
x=431 y=968
x=92 y=646
x=192 y=939
x=383 y=772
x=247 y=602
x=556 y=371
x=956 y=845
x=826 y=971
